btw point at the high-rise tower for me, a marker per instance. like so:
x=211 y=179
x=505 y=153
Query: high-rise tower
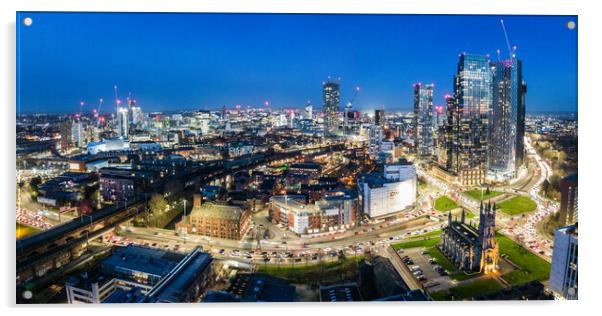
x=472 y=106
x=423 y=119
x=332 y=100
x=122 y=122
x=507 y=102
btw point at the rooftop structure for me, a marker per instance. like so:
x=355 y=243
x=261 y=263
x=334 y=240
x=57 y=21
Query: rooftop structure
x=136 y=274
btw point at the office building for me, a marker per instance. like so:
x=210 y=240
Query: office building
x=468 y=122
x=375 y=139
x=379 y=117
x=332 y=100
x=520 y=116
x=563 y=275
x=335 y=211
x=122 y=122
x=423 y=119
x=77 y=134
x=389 y=192
x=137 y=115
x=507 y=102
x=137 y=274
x=259 y=287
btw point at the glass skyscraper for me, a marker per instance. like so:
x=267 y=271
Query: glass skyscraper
x=502 y=149
x=332 y=101
x=470 y=119
x=423 y=119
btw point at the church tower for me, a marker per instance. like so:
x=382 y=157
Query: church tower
x=489 y=251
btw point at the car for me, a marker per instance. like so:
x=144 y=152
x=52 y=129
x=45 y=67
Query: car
x=154 y=244
x=421 y=278
x=424 y=252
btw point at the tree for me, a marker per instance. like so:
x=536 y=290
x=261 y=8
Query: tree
x=157 y=204
x=545 y=186
x=84 y=207
x=34 y=183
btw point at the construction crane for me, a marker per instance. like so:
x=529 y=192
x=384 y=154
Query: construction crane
x=97 y=114
x=117 y=101
x=81 y=108
x=511 y=49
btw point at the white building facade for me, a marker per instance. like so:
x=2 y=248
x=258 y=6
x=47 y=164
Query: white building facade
x=390 y=192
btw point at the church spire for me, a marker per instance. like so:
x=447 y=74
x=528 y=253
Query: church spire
x=463 y=215
x=449 y=218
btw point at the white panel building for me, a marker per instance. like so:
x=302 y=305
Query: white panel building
x=390 y=192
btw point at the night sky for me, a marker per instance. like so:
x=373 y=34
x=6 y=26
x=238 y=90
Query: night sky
x=207 y=61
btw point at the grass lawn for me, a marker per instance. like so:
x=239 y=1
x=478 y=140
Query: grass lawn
x=300 y=272
x=436 y=254
x=532 y=266
x=476 y=194
x=517 y=205
x=427 y=243
x=468 y=290
x=444 y=204
x=24 y=230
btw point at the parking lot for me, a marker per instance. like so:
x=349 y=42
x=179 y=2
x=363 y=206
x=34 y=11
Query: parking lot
x=424 y=271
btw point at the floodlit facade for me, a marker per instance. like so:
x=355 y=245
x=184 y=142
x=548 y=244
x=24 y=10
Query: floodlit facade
x=472 y=248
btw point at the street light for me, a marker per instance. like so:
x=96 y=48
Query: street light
x=89 y=227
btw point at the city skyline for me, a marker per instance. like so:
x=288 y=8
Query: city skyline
x=232 y=75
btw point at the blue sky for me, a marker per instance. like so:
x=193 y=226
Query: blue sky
x=194 y=61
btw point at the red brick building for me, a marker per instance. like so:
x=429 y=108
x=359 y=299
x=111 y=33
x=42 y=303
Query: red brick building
x=215 y=220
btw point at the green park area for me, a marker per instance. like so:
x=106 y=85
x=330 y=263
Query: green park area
x=444 y=204
x=481 y=195
x=24 y=230
x=517 y=205
x=532 y=267
x=426 y=240
x=468 y=290
x=304 y=272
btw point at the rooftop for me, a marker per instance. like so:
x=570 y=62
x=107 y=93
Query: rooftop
x=348 y=292
x=571 y=229
x=216 y=210
x=259 y=287
x=462 y=230
x=173 y=288
x=141 y=259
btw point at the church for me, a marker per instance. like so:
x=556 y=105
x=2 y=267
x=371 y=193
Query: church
x=470 y=248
